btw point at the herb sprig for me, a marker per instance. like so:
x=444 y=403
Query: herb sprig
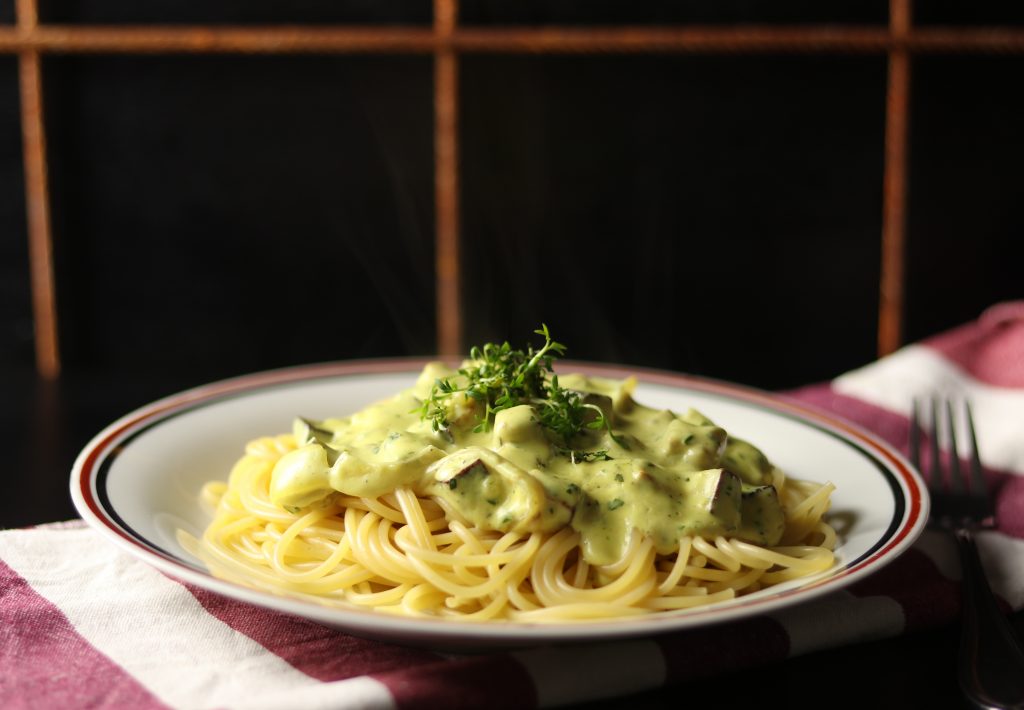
x=499 y=378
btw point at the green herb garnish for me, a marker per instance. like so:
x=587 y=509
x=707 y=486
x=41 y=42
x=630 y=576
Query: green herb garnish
x=501 y=378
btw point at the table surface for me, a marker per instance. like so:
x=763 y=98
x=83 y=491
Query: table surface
x=45 y=424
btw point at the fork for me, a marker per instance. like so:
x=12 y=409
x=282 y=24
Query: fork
x=991 y=670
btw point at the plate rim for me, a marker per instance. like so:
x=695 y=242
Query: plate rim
x=102 y=448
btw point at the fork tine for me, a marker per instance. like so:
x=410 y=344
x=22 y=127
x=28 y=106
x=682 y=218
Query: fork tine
x=936 y=479
x=975 y=478
x=915 y=435
x=977 y=482
x=956 y=480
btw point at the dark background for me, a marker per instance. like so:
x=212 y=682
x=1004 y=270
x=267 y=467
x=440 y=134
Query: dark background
x=721 y=215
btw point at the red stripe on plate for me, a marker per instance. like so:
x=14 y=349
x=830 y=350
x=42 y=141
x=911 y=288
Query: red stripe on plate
x=317 y=651
x=47 y=664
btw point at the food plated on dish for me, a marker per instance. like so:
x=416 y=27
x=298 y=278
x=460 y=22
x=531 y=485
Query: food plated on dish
x=141 y=480
x=501 y=491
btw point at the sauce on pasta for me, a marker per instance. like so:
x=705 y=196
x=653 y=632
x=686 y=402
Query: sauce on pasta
x=493 y=517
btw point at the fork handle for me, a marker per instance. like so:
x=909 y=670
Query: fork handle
x=991 y=660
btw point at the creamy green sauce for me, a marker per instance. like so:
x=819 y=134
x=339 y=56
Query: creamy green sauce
x=663 y=474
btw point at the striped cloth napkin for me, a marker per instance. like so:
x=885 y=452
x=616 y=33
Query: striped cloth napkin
x=82 y=624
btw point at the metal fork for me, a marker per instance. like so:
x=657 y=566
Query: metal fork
x=991 y=660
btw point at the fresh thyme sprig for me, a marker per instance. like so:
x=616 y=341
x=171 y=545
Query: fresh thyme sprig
x=500 y=378
x=564 y=413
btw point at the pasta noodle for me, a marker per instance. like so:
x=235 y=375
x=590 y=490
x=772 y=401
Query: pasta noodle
x=417 y=549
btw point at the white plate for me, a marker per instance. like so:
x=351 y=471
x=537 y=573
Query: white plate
x=138 y=481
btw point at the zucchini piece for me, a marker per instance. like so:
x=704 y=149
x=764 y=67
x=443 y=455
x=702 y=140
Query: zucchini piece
x=713 y=499
x=748 y=462
x=763 y=521
x=491 y=492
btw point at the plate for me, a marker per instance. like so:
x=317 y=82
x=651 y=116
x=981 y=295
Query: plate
x=137 y=482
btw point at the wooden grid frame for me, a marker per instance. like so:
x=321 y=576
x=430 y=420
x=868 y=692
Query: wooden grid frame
x=446 y=41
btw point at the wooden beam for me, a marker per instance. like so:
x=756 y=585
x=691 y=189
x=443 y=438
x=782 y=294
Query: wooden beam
x=299 y=39
x=37 y=197
x=891 y=307
x=446 y=184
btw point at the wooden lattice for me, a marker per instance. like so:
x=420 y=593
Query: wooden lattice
x=446 y=40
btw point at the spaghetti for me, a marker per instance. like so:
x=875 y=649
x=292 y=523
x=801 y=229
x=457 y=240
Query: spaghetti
x=657 y=512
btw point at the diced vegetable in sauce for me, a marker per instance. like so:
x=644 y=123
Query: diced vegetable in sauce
x=654 y=471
